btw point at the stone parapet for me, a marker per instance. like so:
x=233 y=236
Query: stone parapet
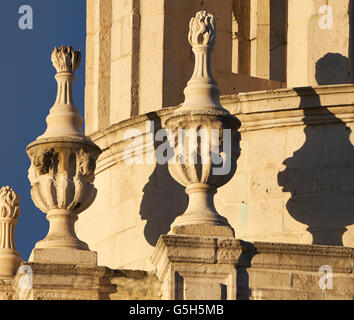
x=198 y=268
x=221 y=268
x=49 y=281
x=302 y=257
x=275 y=271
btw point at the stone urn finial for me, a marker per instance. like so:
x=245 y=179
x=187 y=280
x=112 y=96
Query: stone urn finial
x=66 y=59
x=202 y=30
x=10 y=259
x=205 y=140
x=202 y=90
x=64 y=117
x=63 y=162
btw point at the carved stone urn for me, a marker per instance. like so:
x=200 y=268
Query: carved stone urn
x=63 y=162
x=205 y=140
x=10 y=259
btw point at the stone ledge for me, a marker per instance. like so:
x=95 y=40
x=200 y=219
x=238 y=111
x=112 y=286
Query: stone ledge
x=203 y=230
x=256 y=254
x=264 y=255
x=294 y=280
x=290 y=98
x=66 y=269
x=301 y=257
x=288 y=294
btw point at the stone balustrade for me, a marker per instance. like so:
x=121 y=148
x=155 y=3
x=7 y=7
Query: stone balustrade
x=187 y=249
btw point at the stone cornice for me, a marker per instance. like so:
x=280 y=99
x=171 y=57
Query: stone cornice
x=302 y=257
x=256 y=111
x=111 y=139
x=303 y=249
x=286 y=107
x=260 y=255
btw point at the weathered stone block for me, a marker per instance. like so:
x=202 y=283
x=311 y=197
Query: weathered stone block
x=65 y=256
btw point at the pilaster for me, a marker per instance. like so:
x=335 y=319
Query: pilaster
x=197 y=268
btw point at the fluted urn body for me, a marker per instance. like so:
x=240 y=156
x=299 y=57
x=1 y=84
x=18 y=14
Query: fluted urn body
x=63 y=161
x=61 y=175
x=205 y=140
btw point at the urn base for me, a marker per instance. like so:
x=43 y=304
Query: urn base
x=63 y=256
x=203 y=230
x=201 y=217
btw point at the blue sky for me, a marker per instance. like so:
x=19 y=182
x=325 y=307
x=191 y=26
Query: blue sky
x=28 y=90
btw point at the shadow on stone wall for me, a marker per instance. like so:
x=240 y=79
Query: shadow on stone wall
x=278 y=39
x=320 y=174
x=333 y=68
x=164 y=199
x=244 y=292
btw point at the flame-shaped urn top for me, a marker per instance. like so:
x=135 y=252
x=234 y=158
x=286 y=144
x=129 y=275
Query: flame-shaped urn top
x=9 y=203
x=66 y=59
x=64 y=118
x=202 y=92
x=202 y=29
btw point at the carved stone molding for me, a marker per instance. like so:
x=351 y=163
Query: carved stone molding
x=302 y=257
x=292 y=107
x=275 y=109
